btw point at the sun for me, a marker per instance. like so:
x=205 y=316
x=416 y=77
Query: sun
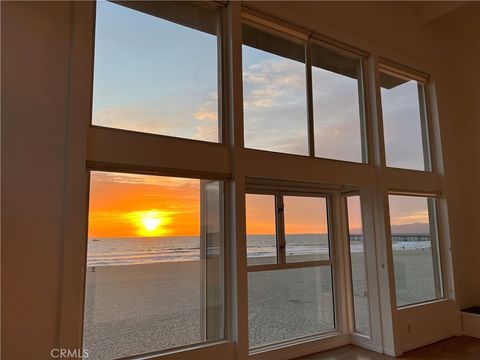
x=151 y=223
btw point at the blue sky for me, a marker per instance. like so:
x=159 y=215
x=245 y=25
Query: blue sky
x=155 y=76
x=144 y=71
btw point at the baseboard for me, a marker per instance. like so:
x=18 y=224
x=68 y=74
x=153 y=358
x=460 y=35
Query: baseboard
x=426 y=342
x=366 y=345
x=471 y=324
x=391 y=352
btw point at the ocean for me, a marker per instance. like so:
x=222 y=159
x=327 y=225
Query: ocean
x=143 y=250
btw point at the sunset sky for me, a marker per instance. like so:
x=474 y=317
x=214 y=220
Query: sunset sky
x=154 y=76
x=128 y=205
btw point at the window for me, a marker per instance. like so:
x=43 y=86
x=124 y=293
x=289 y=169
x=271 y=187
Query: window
x=159 y=272
x=405 y=123
x=145 y=79
x=277 y=83
x=154 y=277
x=261 y=229
x=306 y=228
x=338 y=108
x=292 y=297
x=358 y=266
x=415 y=249
x=274 y=92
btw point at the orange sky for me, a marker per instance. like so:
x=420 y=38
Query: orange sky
x=303 y=215
x=126 y=205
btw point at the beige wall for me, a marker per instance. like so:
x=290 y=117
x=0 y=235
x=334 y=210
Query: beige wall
x=459 y=106
x=35 y=83
x=35 y=70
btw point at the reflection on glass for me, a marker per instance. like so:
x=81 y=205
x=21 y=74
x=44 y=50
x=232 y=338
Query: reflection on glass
x=287 y=304
x=404 y=123
x=415 y=249
x=358 y=266
x=156 y=69
x=154 y=264
x=274 y=92
x=261 y=231
x=306 y=228
x=336 y=107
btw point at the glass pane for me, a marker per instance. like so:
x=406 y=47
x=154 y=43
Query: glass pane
x=358 y=266
x=336 y=106
x=154 y=264
x=415 y=249
x=156 y=69
x=404 y=125
x=287 y=304
x=211 y=254
x=261 y=230
x=274 y=92
x=306 y=228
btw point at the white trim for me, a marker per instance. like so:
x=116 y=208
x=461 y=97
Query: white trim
x=419 y=344
x=224 y=350
x=303 y=348
x=401 y=71
x=74 y=237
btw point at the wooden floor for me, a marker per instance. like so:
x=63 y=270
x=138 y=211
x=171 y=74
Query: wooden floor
x=456 y=348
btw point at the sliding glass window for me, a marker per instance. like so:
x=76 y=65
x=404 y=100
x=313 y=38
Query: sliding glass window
x=358 y=266
x=144 y=77
x=301 y=97
x=154 y=275
x=291 y=295
x=415 y=247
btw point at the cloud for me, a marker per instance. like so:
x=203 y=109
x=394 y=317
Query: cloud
x=270 y=83
x=205 y=115
x=275 y=105
x=175 y=118
x=207 y=133
x=418 y=216
x=147 y=118
x=140 y=179
x=208 y=110
x=408 y=209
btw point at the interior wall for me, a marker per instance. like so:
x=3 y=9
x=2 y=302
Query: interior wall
x=35 y=82
x=459 y=107
x=35 y=75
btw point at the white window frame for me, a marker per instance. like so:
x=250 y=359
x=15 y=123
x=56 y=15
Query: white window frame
x=92 y=147
x=282 y=263
x=308 y=39
x=436 y=245
x=401 y=72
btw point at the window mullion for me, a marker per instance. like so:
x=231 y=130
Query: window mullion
x=308 y=67
x=281 y=243
x=363 y=113
x=424 y=123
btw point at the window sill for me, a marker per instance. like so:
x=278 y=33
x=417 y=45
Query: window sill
x=222 y=350
x=300 y=347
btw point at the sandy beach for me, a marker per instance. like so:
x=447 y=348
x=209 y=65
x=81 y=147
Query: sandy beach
x=133 y=309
